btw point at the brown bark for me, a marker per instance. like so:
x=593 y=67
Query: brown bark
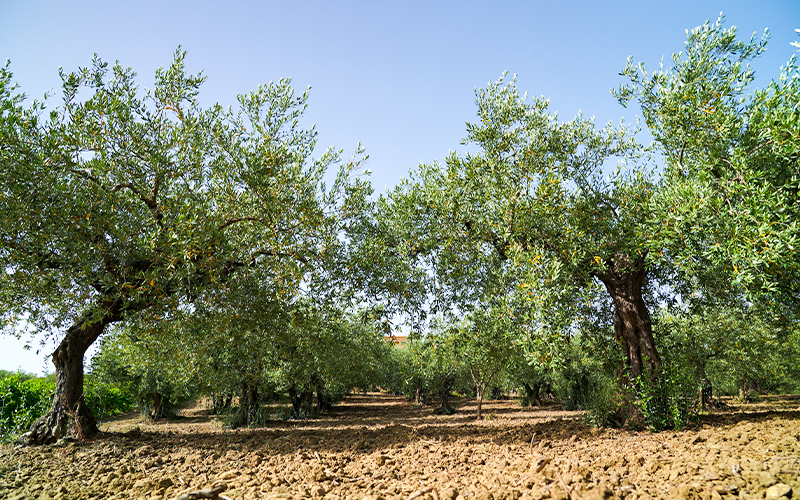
x=480 y=387
x=302 y=403
x=479 y=390
x=531 y=395
x=249 y=403
x=324 y=404
x=419 y=395
x=155 y=410
x=624 y=280
x=444 y=407
x=69 y=416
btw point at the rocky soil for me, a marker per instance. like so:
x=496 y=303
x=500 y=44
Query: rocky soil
x=379 y=446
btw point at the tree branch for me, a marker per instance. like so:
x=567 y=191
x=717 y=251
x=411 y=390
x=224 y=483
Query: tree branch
x=236 y=220
x=274 y=253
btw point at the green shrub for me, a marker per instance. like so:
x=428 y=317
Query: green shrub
x=603 y=405
x=258 y=417
x=106 y=399
x=22 y=400
x=667 y=403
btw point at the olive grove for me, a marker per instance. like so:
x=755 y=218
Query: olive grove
x=558 y=256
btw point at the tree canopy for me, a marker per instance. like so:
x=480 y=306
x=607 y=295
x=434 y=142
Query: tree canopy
x=728 y=197
x=539 y=212
x=533 y=215
x=119 y=201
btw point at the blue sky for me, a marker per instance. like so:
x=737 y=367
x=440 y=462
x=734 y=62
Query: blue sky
x=397 y=76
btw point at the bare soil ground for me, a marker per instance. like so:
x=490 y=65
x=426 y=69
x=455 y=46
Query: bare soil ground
x=379 y=446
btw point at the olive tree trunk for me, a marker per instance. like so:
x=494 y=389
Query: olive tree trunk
x=624 y=281
x=531 y=396
x=480 y=389
x=324 y=404
x=156 y=409
x=444 y=407
x=69 y=416
x=481 y=382
x=419 y=395
x=302 y=403
x=249 y=404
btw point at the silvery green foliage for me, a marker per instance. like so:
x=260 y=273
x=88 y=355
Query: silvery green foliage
x=510 y=237
x=115 y=193
x=728 y=197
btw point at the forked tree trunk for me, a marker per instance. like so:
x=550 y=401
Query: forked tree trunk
x=531 y=394
x=249 y=403
x=479 y=390
x=69 y=416
x=706 y=395
x=633 y=329
x=419 y=395
x=323 y=402
x=480 y=387
x=746 y=389
x=302 y=403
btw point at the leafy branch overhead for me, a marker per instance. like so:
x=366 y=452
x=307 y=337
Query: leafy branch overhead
x=119 y=200
x=729 y=193
x=146 y=196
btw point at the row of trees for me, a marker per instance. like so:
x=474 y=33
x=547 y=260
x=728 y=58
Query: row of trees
x=314 y=355
x=322 y=356
x=211 y=233
x=722 y=348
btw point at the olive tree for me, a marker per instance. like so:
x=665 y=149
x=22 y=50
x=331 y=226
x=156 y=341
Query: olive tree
x=733 y=348
x=728 y=199
x=533 y=214
x=153 y=364
x=118 y=202
x=323 y=353
x=487 y=346
x=431 y=366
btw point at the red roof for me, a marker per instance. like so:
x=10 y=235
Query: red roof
x=396 y=339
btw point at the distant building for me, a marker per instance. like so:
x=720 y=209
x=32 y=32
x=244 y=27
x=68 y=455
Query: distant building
x=398 y=340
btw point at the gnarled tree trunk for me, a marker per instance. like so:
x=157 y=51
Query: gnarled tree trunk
x=324 y=403
x=69 y=416
x=419 y=395
x=531 y=396
x=624 y=280
x=302 y=403
x=444 y=407
x=157 y=408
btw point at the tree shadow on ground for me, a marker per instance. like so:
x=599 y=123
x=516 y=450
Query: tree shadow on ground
x=764 y=407
x=374 y=422
x=366 y=423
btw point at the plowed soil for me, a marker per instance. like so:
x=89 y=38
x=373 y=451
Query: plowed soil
x=379 y=446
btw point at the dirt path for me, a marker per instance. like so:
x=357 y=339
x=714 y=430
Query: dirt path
x=379 y=446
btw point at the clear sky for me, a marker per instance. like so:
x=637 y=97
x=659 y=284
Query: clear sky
x=397 y=76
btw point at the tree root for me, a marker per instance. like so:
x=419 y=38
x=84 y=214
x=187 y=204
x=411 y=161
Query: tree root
x=61 y=422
